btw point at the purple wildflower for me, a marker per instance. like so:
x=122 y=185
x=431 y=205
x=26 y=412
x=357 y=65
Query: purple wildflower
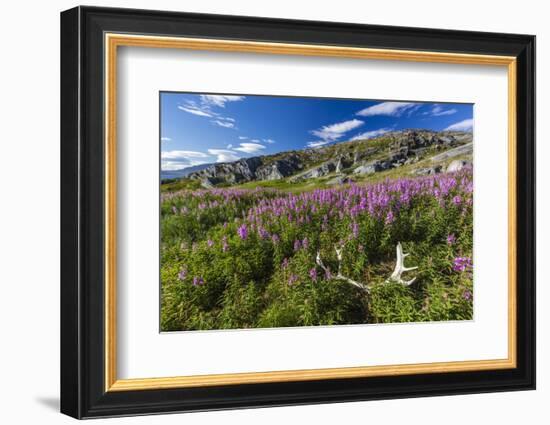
x=263 y=233
x=467 y=295
x=297 y=245
x=284 y=264
x=243 y=231
x=389 y=217
x=275 y=238
x=183 y=273
x=457 y=200
x=198 y=281
x=292 y=279
x=313 y=274
x=210 y=243
x=461 y=264
x=305 y=243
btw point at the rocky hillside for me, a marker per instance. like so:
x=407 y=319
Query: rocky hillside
x=422 y=151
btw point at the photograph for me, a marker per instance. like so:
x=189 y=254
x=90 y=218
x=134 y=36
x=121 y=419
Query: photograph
x=280 y=211
x=287 y=210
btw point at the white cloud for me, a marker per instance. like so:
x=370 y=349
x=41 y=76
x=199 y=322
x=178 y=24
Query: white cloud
x=270 y=141
x=335 y=131
x=465 y=125
x=176 y=160
x=410 y=111
x=370 y=134
x=229 y=146
x=438 y=111
x=224 y=155
x=250 y=147
x=165 y=139
x=172 y=165
x=220 y=100
x=225 y=124
x=182 y=154
x=202 y=112
x=243 y=137
x=204 y=108
x=318 y=143
x=392 y=109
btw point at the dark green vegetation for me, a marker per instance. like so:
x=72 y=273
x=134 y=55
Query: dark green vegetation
x=289 y=254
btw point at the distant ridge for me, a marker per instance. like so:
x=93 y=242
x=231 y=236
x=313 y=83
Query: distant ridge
x=184 y=172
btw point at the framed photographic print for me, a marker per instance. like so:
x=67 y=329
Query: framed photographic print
x=261 y=212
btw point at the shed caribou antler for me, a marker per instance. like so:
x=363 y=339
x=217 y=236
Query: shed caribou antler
x=395 y=276
x=400 y=267
x=339 y=276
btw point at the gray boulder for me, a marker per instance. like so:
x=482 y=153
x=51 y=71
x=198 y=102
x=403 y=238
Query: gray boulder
x=427 y=171
x=337 y=181
x=381 y=165
x=320 y=171
x=365 y=169
x=457 y=165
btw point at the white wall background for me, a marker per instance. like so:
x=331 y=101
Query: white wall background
x=29 y=212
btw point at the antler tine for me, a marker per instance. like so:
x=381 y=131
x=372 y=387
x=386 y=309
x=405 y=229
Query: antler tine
x=409 y=282
x=340 y=276
x=318 y=260
x=400 y=267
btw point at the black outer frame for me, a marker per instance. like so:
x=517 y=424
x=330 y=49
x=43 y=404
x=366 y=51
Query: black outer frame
x=82 y=206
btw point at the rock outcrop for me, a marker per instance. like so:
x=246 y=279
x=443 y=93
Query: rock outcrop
x=361 y=157
x=315 y=172
x=466 y=149
x=239 y=171
x=279 y=169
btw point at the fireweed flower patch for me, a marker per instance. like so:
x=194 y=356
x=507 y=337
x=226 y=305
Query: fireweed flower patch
x=253 y=253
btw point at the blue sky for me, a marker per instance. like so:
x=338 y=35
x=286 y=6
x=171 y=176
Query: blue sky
x=198 y=129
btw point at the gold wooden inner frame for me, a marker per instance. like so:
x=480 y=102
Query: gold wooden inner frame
x=113 y=41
